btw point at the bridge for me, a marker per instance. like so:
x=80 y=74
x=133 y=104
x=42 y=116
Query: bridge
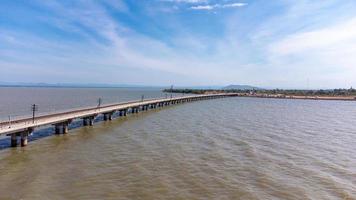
x=24 y=127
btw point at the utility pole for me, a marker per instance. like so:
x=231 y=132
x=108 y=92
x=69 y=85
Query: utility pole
x=100 y=100
x=9 y=121
x=34 y=108
x=171 y=91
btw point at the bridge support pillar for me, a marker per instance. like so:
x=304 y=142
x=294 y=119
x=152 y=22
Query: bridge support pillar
x=57 y=129
x=14 y=140
x=123 y=112
x=24 y=138
x=61 y=128
x=88 y=121
x=65 y=127
x=108 y=116
x=91 y=121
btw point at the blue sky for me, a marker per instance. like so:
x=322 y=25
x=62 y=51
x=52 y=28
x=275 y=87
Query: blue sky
x=279 y=43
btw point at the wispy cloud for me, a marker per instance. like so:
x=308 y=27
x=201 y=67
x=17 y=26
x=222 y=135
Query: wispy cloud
x=324 y=54
x=122 y=46
x=317 y=39
x=203 y=7
x=216 y=6
x=269 y=44
x=186 y=1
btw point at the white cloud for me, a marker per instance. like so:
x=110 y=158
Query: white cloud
x=232 y=5
x=326 y=55
x=317 y=39
x=187 y=1
x=203 y=7
x=215 y=6
x=125 y=47
x=282 y=52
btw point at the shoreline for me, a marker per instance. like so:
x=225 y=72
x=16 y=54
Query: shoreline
x=280 y=96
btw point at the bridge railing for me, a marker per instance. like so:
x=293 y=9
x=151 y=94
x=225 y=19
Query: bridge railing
x=26 y=119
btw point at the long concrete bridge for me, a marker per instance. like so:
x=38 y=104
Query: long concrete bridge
x=24 y=127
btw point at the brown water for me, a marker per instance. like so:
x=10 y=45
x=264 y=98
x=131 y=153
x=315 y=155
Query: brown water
x=232 y=148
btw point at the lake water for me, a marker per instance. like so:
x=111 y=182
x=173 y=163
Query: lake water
x=231 y=148
x=16 y=101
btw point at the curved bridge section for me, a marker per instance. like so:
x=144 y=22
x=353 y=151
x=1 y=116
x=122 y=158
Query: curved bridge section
x=23 y=127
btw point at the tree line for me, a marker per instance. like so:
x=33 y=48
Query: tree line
x=321 y=92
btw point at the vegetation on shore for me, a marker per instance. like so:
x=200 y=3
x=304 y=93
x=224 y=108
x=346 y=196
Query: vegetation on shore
x=331 y=92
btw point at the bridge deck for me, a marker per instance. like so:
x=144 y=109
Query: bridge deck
x=26 y=123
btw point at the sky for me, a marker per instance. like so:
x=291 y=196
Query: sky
x=303 y=44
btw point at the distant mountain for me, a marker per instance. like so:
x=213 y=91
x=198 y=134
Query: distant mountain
x=207 y=87
x=241 y=87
